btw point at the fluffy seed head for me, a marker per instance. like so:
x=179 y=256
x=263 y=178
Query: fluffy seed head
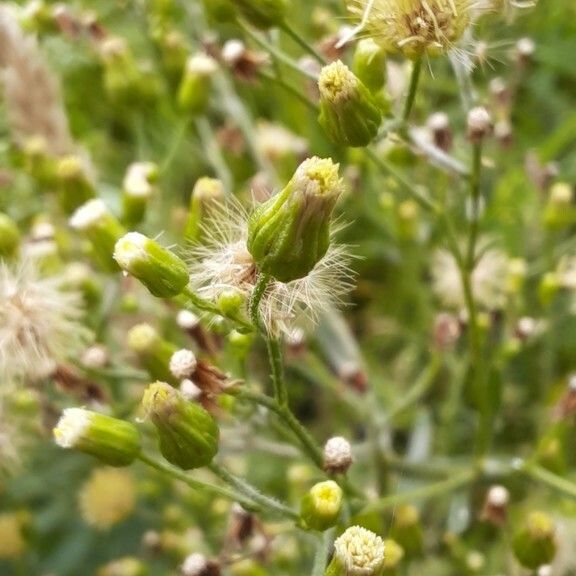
x=222 y=263
x=498 y=496
x=360 y=552
x=40 y=320
x=479 y=123
x=417 y=27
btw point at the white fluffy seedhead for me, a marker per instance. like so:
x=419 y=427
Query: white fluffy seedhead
x=222 y=264
x=498 y=496
x=40 y=321
x=187 y=320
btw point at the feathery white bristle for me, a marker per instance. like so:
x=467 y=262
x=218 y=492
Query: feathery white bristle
x=71 y=426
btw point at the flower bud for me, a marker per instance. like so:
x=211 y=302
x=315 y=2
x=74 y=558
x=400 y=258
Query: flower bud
x=357 y=552
x=349 y=113
x=320 y=507
x=137 y=188
x=439 y=126
x=369 y=64
x=113 y=441
x=337 y=455
x=188 y=435
x=560 y=211
x=495 y=508
x=194 y=91
x=198 y=565
x=206 y=194
x=263 y=13
x=290 y=233
x=535 y=543
x=154 y=353
x=392 y=557
x=127 y=566
x=407 y=530
x=101 y=228
x=9 y=236
x=479 y=124
x=160 y=270
x=75 y=188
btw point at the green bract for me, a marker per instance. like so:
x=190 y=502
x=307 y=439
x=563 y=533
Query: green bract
x=290 y=233
x=349 y=113
x=187 y=433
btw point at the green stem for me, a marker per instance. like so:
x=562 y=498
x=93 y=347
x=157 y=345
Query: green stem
x=322 y=552
x=309 y=446
x=302 y=43
x=422 y=386
x=275 y=356
x=425 y=493
x=386 y=168
x=550 y=479
x=261 y=285
x=290 y=89
x=413 y=88
x=252 y=493
x=188 y=298
x=175 y=146
x=278 y=54
x=213 y=153
x=177 y=474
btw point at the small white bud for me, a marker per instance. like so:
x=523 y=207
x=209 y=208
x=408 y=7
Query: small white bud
x=438 y=121
x=130 y=249
x=337 y=455
x=95 y=357
x=194 y=565
x=138 y=179
x=525 y=47
x=88 y=214
x=498 y=496
x=358 y=552
x=479 y=123
x=189 y=390
x=545 y=570
x=71 y=427
x=232 y=51
x=183 y=364
x=187 y=320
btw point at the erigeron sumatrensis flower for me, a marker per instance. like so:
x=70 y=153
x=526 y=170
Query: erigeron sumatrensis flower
x=40 y=321
x=224 y=264
x=489 y=279
x=416 y=27
x=357 y=552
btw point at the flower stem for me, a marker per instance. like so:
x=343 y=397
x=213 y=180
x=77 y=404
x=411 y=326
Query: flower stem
x=550 y=479
x=413 y=88
x=322 y=552
x=177 y=474
x=302 y=43
x=261 y=285
x=425 y=493
x=252 y=493
x=309 y=446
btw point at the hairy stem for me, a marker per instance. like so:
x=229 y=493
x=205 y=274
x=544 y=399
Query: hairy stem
x=302 y=43
x=412 y=89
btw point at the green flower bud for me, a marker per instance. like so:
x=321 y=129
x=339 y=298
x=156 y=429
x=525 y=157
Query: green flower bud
x=349 y=113
x=369 y=64
x=392 y=557
x=320 y=507
x=560 y=211
x=188 y=434
x=263 y=13
x=101 y=228
x=138 y=187
x=358 y=552
x=206 y=194
x=75 y=187
x=407 y=530
x=160 y=270
x=124 y=567
x=194 y=91
x=9 y=236
x=290 y=233
x=535 y=543
x=154 y=353
x=220 y=10
x=122 y=78
x=38 y=162
x=113 y=441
